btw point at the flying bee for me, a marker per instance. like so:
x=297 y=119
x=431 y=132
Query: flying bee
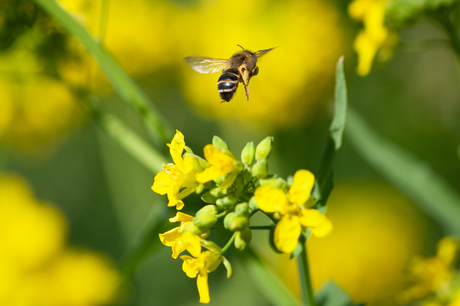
x=239 y=68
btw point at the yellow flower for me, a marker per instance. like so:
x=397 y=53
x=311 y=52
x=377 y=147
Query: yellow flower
x=199 y=267
x=177 y=176
x=294 y=215
x=36 y=267
x=375 y=37
x=180 y=241
x=220 y=164
x=434 y=275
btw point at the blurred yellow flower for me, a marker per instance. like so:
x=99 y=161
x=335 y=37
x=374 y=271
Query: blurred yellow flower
x=177 y=176
x=35 y=109
x=435 y=279
x=294 y=215
x=36 y=266
x=375 y=37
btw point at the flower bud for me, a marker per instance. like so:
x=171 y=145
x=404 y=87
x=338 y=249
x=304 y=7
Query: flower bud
x=248 y=154
x=253 y=204
x=193 y=229
x=242 y=209
x=242 y=239
x=260 y=168
x=208 y=198
x=226 y=202
x=264 y=148
x=208 y=209
x=220 y=144
x=205 y=221
x=275 y=182
x=228 y=219
x=239 y=223
x=216 y=192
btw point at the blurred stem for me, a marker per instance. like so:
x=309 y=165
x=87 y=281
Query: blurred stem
x=103 y=20
x=121 y=81
x=129 y=140
x=304 y=273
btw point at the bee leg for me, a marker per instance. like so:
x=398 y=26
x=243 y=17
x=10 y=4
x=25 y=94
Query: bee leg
x=246 y=88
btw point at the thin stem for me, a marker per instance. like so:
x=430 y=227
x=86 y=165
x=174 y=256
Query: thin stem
x=103 y=21
x=304 y=273
x=229 y=243
x=262 y=227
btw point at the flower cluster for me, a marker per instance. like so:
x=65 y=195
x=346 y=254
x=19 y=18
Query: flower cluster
x=233 y=192
x=436 y=282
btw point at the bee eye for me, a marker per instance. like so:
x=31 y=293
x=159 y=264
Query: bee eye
x=255 y=71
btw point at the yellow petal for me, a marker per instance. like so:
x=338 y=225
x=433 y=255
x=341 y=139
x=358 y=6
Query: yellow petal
x=176 y=147
x=318 y=223
x=188 y=266
x=271 y=199
x=192 y=243
x=203 y=288
x=448 y=249
x=287 y=232
x=180 y=216
x=162 y=183
x=301 y=187
x=170 y=236
x=220 y=164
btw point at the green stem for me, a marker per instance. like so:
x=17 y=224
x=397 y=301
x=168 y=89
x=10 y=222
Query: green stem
x=121 y=81
x=304 y=273
x=262 y=227
x=103 y=21
x=229 y=243
x=442 y=18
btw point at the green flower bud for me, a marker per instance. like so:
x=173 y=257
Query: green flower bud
x=220 y=144
x=260 y=168
x=242 y=209
x=264 y=148
x=242 y=239
x=239 y=223
x=216 y=192
x=228 y=219
x=208 y=209
x=275 y=182
x=226 y=202
x=248 y=154
x=193 y=229
x=205 y=221
x=208 y=198
x=199 y=189
x=253 y=204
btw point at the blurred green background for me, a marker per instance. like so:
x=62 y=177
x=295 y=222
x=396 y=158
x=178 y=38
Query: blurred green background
x=49 y=138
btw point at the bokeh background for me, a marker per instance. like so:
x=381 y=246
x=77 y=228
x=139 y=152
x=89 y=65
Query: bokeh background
x=50 y=143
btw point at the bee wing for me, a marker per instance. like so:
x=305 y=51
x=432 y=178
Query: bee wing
x=203 y=64
x=262 y=52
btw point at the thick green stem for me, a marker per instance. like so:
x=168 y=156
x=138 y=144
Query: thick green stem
x=103 y=21
x=304 y=273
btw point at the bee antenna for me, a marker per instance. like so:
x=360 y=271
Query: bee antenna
x=240 y=47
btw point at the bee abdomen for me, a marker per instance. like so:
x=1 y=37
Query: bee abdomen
x=227 y=84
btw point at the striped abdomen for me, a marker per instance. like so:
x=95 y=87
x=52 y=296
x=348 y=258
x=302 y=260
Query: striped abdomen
x=227 y=83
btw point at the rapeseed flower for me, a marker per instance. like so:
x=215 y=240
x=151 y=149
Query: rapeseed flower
x=37 y=267
x=199 y=267
x=180 y=240
x=291 y=209
x=375 y=38
x=177 y=179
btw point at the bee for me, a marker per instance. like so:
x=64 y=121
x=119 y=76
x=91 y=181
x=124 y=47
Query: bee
x=239 y=68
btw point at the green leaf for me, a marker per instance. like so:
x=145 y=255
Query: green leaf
x=330 y=294
x=268 y=283
x=324 y=179
x=413 y=177
x=121 y=81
